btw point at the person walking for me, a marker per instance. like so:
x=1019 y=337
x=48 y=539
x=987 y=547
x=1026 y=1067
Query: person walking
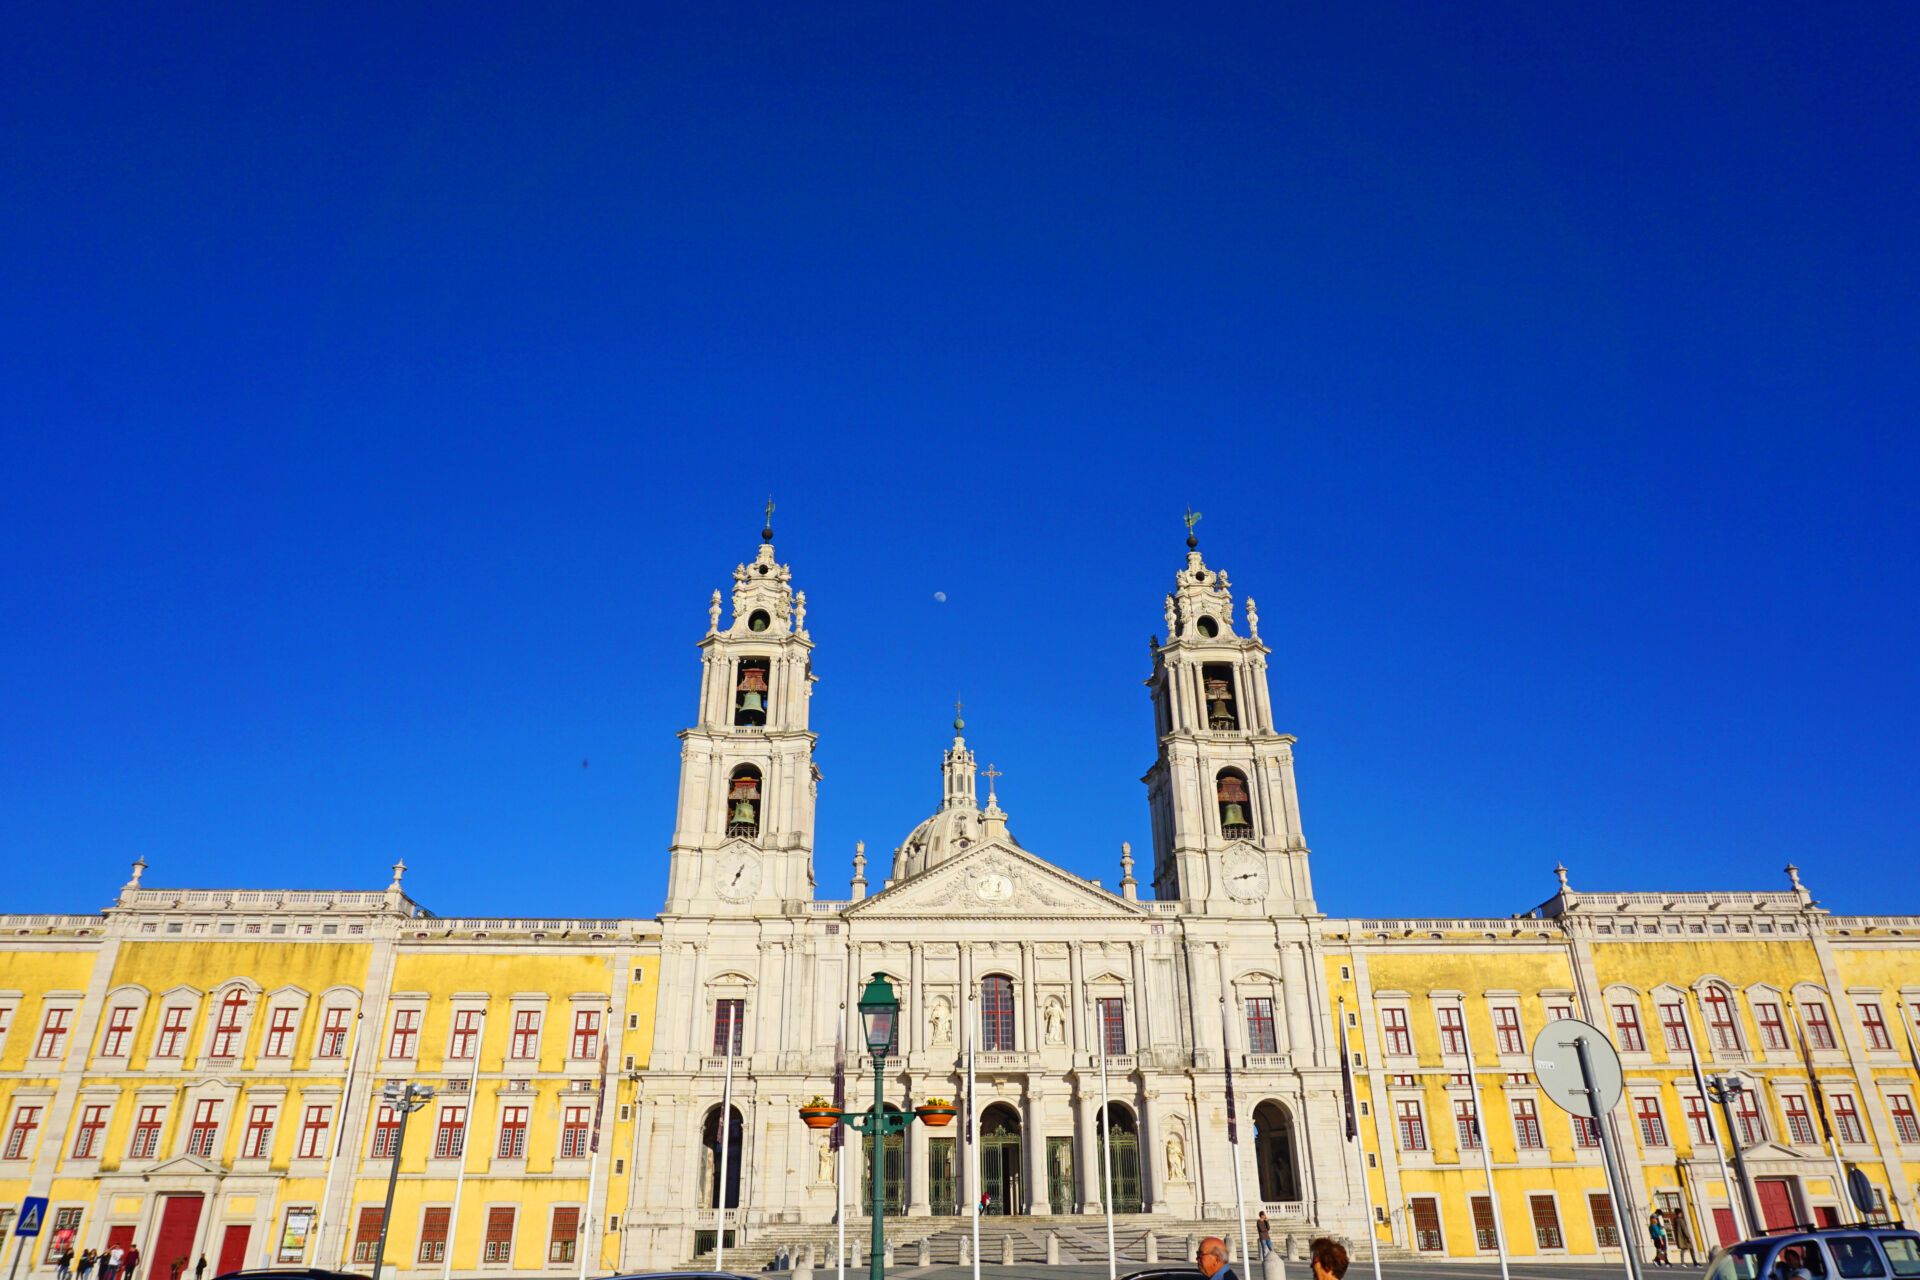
x=1211 y=1258
x=1679 y=1239
x=130 y=1265
x=116 y=1259
x=1329 y=1259
x=87 y=1258
x=63 y=1262
x=1265 y=1230
x=200 y=1268
x=1657 y=1231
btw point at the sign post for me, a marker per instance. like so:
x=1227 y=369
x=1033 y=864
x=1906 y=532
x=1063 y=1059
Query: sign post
x=1577 y=1066
x=33 y=1216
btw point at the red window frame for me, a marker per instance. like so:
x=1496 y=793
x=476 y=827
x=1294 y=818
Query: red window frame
x=586 y=1033
x=281 y=1025
x=53 y=1034
x=333 y=1033
x=404 y=1043
x=1773 y=1030
x=499 y=1239
x=1585 y=1132
x=119 y=1032
x=1507 y=1036
x=1653 y=1126
x=1819 y=1027
x=1874 y=1023
x=366 y=1232
x=1260 y=1029
x=1394 y=1031
x=1412 y=1125
x=1746 y=1114
x=1453 y=1031
x=433 y=1233
x=450 y=1138
x=205 y=1129
x=730 y=1026
x=573 y=1133
x=386 y=1133
x=1673 y=1021
x=1699 y=1121
x=1626 y=1022
x=1906 y=1126
x=1526 y=1125
x=1112 y=1012
x=173 y=1032
x=1723 y=1028
x=526 y=1034
x=1466 y=1124
x=147 y=1123
x=227 y=1029
x=513 y=1134
x=25 y=1121
x=256 y=1143
x=996 y=1013
x=465 y=1041
x=564 y=1234
x=1799 y=1119
x=313 y=1131
x=89 y=1136
x=1846 y=1119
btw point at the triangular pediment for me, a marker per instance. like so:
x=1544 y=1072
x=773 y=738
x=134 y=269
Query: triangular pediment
x=180 y=1165
x=1000 y=880
x=1771 y=1151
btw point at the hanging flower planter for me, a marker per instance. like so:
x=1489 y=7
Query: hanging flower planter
x=935 y=1112
x=819 y=1114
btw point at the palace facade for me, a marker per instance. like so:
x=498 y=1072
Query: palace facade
x=202 y=1071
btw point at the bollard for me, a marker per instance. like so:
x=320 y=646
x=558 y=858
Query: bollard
x=1053 y=1249
x=1153 y=1248
x=926 y=1252
x=804 y=1269
x=1274 y=1268
x=966 y=1251
x=886 y=1258
x=1233 y=1247
x=1006 y=1251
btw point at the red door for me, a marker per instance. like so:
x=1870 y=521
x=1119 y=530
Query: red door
x=1723 y=1227
x=179 y=1220
x=1826 y=1215
x=121 y=1235
x=233 y=1248
x=1776 y=1203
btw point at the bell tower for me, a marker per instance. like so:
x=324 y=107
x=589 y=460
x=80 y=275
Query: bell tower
x=1226 y=816
x=743 y=834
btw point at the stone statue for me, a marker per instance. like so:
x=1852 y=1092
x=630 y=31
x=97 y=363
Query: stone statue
x=824 y=1171
x=1170 y=627
x=800 y=611
x=1055 y=1019
x=706 y=1169
x=1253 y=619
x=713 y=612
x=942 y=1021
x=1176 y=1158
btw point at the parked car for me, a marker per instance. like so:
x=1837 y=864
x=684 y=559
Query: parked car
x=1165 y=1273
x=683 y=1275
x=1825 y=1253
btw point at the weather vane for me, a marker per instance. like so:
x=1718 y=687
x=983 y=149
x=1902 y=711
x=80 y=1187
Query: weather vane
x=1192 y=519
x=767 y=533
x=958 y=723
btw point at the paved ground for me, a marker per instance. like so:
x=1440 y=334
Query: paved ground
x=1360 y=1270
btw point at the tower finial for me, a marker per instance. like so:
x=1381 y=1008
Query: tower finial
x=766 y=532
x=958 y=723
x=992 y=775
x=1560 y=872
x=1192 y=519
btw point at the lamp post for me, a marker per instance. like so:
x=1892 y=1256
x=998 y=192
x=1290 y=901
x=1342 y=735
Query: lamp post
x=404 y=1099
x=1723 y=1090
x=879 y=1015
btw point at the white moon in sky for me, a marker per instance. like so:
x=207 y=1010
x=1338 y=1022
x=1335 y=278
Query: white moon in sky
x=941 y=596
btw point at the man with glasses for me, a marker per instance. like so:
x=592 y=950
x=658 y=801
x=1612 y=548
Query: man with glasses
x=1212 y=1259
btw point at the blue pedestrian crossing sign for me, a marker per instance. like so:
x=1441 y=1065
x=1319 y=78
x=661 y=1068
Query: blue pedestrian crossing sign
x=33 y=1213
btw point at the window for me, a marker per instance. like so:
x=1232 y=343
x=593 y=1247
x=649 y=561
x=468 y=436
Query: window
x=1426 y=1224
x=1393 y=1028
x=1855 y=1258
x=1875 y=1025
x=1819 y=1027
x=573 y=1134
x=1453 y=1034
x=53 y=1034
x=433 y=1234
x=996 y=1013
x=513 y=1133
x=450 y=1139
x=1799 y=1123
x=1673 y=1022
x=743 y=803
x=1559 y=1012
x=1546 y=1222
x=586 y=1033
x=1773 y=1032
x=466 y=1036
x=257 y=1142
x=1626 y=1022
x=386 y=1134
x=1846 y=1120
x=499 y=1242
x=526 y=1033
x=1722 y=1031
x=1699 y=1123
x=1236 y=807
x=366 y=1233
x=1466 y=1125
x=1217 y=677
x=173 y=1034
x=333 y=1034
x=750 y=688
x=1905 y=1126
x=1112 y=1011
x=730 y=1026
x=313 y=1132
x=1413 y=1128
x=1526 y=1124
x=66 y=1224
x=146 y=1133
x=1747 y=1116
x=406 y=1033
x=119 y=1032
x=204 y=1129
x=1653 y=1129
x=93 y=1128
x=1506 y=1031
x=1485 y=1234
x=1260 y=1034
x=565 y=1233
x=1606 y=1229
x=227 y=1029
x=1585 y=1132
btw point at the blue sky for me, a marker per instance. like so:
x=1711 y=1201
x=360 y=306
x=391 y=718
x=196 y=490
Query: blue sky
x=383 y=393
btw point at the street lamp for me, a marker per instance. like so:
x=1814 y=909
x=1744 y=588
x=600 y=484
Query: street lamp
x=405 y=1099
x=1723 y=1090
x=879 y=1015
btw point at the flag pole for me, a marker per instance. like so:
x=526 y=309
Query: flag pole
x=593 y=1168
x=460 y=1176
x=973 y=1137
x=1486 y=1146
x=1233 y=1132
x=1713 y=1128
x=340 y=1137
x=839 y=1141
x=726 y=1137
x=1353 y=1136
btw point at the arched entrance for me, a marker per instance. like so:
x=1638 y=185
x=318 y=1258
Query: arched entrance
x=1118 y=1121
x=893 y=1157
x=710 y=1158
x=1273 y=1152
x=1000 y=1158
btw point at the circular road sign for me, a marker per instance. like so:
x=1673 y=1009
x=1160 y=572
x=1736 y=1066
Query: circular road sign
x=1556 y=1062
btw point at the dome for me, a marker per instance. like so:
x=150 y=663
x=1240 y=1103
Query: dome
x=958 y=824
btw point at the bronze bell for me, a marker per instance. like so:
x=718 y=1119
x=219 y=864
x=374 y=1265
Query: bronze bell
x=1233 y=815
x=750 y=701
x=743 y=813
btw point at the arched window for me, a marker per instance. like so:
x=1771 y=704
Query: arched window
x=750 y=693
x=743 y=802
x=710 y=1159
x=1236 y=806
x=227 y=1028
x=1221 y=711
x=1723 y=1026
x=1273 y=1152
x=996 y=1013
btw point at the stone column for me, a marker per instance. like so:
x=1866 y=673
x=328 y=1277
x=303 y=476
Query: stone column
x=1293 y=974
x=967 y=1030
x=911 y=1034
x=917 y=1135
x=1086 y=1148
x=1152 y=1158
x=1033 y=1146
x=1077 y=966
x=1142 y=1024
x=1029 y=1037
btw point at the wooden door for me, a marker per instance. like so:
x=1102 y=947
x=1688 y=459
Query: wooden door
x=1724 y=1229
x=173 y=1241
x=1776 y=1203
x=233 y=1248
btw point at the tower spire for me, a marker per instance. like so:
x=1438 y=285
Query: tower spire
x=766 y=530
x=1192 y=519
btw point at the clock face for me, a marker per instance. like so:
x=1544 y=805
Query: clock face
x=993 y=887
x=1246 y=875
x=736 y=875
